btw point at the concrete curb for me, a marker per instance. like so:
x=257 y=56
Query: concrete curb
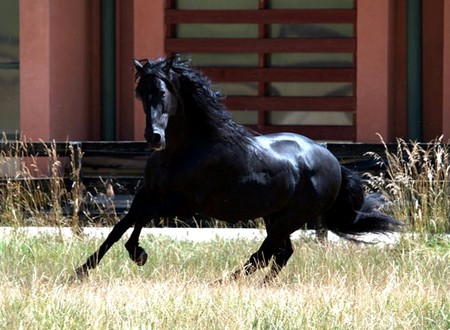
x=187 y=234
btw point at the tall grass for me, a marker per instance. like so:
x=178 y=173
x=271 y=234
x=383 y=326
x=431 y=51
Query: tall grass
x=417 y=184
x=32 y=188
x=324 y=286
x=334 y=286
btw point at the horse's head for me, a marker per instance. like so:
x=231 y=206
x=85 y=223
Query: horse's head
x=157 y=88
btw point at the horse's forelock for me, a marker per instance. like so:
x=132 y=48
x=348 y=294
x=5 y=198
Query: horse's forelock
x=144 y=78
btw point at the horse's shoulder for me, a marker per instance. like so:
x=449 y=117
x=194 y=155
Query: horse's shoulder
x=287 y=143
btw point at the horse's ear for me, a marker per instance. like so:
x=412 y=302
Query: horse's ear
x=138 y=66
x=168 y=65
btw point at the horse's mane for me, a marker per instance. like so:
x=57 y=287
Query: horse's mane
x=198 y=99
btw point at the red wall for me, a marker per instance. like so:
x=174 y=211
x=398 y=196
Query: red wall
x=446 y=72
x=436 y=88
x=373 y=91
x=59 y=73
x=141 y=35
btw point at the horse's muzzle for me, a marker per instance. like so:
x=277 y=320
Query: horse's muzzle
x=155 y=141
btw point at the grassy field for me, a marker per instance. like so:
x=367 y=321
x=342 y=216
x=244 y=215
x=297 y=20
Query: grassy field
x=324 y=286
x=334 y=286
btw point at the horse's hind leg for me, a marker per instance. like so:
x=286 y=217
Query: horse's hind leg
x=118 y=230
x=321 y=229
x=280 y=259
x=277 y=244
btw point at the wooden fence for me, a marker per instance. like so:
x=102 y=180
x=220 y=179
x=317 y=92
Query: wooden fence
x=119 y=166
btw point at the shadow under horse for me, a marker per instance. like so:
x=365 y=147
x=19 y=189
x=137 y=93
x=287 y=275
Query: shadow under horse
x=205 y=163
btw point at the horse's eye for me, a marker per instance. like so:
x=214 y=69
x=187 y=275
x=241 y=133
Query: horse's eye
x=157 y=93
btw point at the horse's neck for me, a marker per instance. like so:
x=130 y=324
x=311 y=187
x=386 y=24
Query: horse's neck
x=180 y=132
x=191 y=126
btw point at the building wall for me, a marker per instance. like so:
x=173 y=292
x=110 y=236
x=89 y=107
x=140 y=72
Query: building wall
x=60 y=75
x=446 y=71
x=35 y=69
x=373 y=92
x=58 y=83
x=436 y=54
x=73 y=72
x=141 y=35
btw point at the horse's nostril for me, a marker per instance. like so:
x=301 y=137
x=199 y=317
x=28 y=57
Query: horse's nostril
x=156 y=138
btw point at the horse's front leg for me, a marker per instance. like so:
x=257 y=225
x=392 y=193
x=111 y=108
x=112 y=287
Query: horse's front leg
x=169 y=208
x=137 y=253
x=138 y=211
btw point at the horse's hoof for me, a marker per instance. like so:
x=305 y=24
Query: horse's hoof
x=142 y=259
x=228 y=278
x=81 y=274
x=140 y=256
x=219 y=281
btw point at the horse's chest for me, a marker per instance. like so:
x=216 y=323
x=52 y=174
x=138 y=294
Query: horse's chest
x=182 y=176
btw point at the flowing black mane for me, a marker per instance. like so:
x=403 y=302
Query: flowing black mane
x=196 y=97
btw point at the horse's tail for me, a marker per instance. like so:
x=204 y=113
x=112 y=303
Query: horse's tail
x=352 y=214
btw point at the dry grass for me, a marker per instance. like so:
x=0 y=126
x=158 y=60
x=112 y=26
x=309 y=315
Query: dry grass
x=336 y=286
x=33 y=191
x=417 y=183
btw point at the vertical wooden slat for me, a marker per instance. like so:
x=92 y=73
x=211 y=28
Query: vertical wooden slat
x=262 y=59
x=355 y=31
x=170 y=28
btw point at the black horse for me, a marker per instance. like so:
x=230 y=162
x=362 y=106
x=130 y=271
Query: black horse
x=205 y=163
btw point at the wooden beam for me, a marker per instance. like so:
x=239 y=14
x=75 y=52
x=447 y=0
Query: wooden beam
x=272 y=103
x=251 y=45
x=273 y=16
x=227 y=74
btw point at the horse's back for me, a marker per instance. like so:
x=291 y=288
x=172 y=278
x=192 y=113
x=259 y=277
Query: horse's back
x=304 y=152
x=319 y=170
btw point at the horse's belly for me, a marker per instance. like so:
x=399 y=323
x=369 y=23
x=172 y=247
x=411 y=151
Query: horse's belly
x=253 y=197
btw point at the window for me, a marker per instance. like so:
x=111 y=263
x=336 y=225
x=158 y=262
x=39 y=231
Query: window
x=9 y=68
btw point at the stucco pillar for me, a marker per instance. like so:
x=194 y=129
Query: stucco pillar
x=149 y=34
x=446 y=73
x=373 y=70
x=58 y=72
x=34 y=69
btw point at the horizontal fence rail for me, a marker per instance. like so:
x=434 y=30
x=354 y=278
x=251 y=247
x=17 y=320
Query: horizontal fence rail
x=110 y=157
x=286 y=16
x=120 y=165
